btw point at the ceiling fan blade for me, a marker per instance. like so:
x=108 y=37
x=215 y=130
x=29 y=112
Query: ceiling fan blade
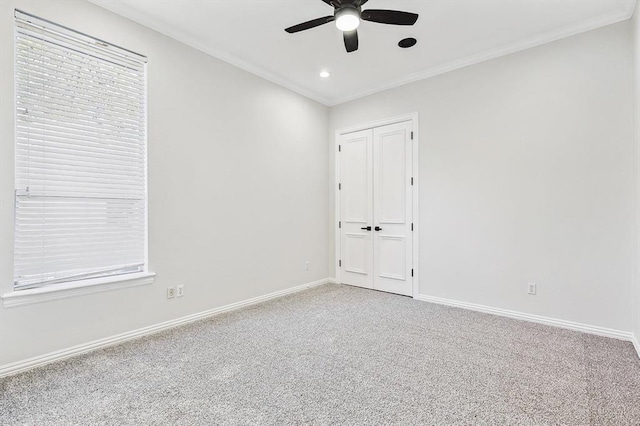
x=362 y=2
x=351 y=40
x=310 y=24
x=393 y=17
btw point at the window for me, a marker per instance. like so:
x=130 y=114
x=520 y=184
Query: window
x=80 y=159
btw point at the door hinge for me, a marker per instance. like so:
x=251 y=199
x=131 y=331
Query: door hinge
x=412 y=227
x=411 y=181
x=411 y=135
x=339 y=148
x=412 y=272
x=339 y=224
x=340 y=263
x=339 y=187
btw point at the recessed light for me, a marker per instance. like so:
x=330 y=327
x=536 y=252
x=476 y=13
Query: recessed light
x=407 y=42
x=325 y=74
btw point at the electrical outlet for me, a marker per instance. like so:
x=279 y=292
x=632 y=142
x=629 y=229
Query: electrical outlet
x=532 y=288
x=171 y=292
x=180 y=291
x=306 y=265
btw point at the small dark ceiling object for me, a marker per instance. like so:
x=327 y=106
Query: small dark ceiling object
x=348 y=13
x=405 y=43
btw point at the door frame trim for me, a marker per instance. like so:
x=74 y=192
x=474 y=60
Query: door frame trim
x=414 y=119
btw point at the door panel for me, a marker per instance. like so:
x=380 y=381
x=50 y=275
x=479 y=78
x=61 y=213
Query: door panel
x=356 y=253
x=393 y=257
x=391 y=173
x=356 y=181
x=392 y=200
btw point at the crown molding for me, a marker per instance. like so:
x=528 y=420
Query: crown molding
x=123 y=10
x=548 y=37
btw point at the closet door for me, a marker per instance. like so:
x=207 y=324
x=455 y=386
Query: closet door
x=392 y=208
x=356 y=205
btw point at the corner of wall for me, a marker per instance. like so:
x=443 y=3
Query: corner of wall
x=636 y=53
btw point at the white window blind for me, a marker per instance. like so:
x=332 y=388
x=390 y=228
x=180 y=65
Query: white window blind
x=80 y=206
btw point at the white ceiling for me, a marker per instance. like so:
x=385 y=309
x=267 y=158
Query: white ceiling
x=451 y=34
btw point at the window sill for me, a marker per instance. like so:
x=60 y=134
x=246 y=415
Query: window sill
x=75 y=288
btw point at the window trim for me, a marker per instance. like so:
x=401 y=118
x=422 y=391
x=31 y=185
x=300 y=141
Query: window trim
x=75 y=288
x=63 y=290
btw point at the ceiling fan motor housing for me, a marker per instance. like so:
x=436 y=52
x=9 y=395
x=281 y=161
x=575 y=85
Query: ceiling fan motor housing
x=348 y=6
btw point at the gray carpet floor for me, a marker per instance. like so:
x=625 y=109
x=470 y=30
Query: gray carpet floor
x=339 y=355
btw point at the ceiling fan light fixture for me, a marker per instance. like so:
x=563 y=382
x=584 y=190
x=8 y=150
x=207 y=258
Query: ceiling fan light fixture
x=347 y=19
x=347 y=15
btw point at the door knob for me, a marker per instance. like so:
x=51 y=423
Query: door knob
x=378 y=228
x=368 y=228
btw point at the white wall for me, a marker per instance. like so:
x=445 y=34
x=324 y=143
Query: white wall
x=526 y=174
x=237 y=189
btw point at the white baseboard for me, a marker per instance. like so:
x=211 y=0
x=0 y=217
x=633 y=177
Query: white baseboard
x=636 y=343
x=20 y=366
x=585 y=328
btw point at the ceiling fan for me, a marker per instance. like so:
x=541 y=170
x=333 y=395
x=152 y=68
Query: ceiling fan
x=347 y=15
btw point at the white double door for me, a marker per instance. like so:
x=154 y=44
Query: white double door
x=376 y=230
